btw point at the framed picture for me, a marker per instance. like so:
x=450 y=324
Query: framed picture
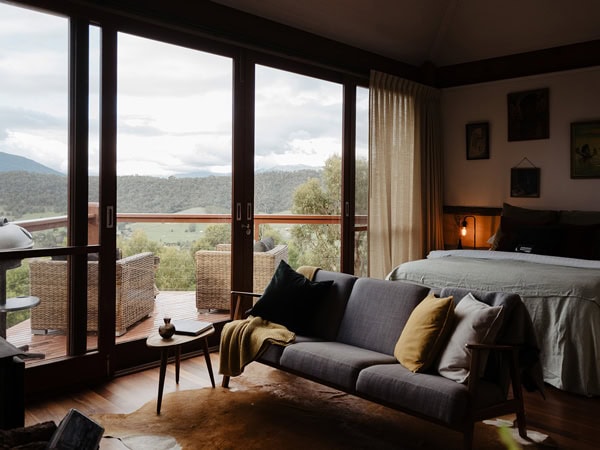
x=478 y=140
x=528 y=115
x=525 y=182
x=585 y=149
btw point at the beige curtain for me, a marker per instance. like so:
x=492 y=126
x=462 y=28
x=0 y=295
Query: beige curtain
x=405 y=173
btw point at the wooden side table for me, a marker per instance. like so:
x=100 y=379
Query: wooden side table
x=156 y=341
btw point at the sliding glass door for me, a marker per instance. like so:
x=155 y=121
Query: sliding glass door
x=174 y=167
x=298 y=163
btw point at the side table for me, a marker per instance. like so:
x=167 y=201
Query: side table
x=156 y=341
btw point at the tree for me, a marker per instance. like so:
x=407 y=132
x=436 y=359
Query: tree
x=137 y=243
x=319 y=245
x=176 y=271
x=213 y=235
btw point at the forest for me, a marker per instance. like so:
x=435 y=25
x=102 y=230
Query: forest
x=25 y=195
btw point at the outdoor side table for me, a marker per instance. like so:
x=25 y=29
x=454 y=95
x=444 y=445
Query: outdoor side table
x=156 y=341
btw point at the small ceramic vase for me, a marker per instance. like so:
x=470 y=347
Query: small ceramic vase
x=166 y=330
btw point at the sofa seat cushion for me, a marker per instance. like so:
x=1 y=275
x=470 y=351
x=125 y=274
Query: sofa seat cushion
x=272 y=354
x=332 y=363
x=421 y=393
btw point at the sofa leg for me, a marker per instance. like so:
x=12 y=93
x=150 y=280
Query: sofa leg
x=521 y=424
x=468 y=437
x=225 y=382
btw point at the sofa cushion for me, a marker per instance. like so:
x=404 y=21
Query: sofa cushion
x=377 y=311
x=333 y=363
x=428 y=394
x=290 y=299
x=272 y=354
x=476 y=323
x=425 y=332
x=329 y=312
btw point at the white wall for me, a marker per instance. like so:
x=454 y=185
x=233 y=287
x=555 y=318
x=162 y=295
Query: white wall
x=574 y=97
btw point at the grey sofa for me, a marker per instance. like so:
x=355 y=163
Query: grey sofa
x=351 y=348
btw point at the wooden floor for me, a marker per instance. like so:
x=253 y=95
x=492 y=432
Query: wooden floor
x=570 y=420
x=174 y=304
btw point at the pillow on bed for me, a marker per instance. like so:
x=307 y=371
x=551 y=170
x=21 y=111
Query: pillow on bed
x=530 y=237
x=517 y=225
x=476 y=323
x=581 y=241
x=425 y=332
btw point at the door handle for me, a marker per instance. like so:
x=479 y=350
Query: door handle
x=248 y=228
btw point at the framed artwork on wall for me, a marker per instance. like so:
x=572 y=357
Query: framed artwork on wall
x=585 y=149
x=478 y=140
x=525 y=182
x=528 y=115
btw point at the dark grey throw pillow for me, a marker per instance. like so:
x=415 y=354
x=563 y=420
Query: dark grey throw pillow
x=290 y=299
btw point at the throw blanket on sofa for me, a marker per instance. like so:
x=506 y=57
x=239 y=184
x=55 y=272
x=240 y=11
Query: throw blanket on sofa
x=242 y=341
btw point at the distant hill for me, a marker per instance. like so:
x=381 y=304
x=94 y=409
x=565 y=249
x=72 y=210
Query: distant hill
x=14 y=163
x=31 y=193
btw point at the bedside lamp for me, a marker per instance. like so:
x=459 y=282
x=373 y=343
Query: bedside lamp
x=463 y=231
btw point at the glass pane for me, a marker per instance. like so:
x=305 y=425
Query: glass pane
x=174 y=162
x=93 y=182
x=361 y=183
x=297 y=172
x=33 y=158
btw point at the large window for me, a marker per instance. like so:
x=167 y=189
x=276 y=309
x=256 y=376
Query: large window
x=168 y=109
x=298 y=163
x=361 y=183
x=173 y=158
x=33 y=155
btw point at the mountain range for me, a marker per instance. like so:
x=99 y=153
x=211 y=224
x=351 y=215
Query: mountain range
x=28 y=188
x=11 y=163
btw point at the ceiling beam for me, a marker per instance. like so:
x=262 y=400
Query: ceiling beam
x=556 y=59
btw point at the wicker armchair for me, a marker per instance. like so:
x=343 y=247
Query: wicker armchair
x=134 y=295
x=213 y=274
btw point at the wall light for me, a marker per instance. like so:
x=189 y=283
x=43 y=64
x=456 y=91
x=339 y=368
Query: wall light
x=463 y=230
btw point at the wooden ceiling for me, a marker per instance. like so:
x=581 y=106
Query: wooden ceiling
x=441 y=32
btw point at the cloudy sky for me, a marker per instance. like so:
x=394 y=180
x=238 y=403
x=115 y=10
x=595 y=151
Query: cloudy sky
x=174 y=104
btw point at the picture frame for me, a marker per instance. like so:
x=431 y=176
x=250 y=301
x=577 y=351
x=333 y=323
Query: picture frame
x=525 y=182
x=585 y=149
x=478 y=140
x=528 y=115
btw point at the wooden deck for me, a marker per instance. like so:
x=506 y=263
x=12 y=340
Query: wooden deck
x=174 y=304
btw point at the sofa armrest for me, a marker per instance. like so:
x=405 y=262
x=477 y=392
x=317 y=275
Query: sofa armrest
x=237 y=300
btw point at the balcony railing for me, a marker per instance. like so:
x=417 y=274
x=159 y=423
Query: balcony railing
x=259 y=219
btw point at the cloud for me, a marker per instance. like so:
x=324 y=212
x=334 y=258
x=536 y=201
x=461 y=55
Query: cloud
x=175 y=105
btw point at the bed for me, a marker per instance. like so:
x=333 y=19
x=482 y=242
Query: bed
x=562 y=295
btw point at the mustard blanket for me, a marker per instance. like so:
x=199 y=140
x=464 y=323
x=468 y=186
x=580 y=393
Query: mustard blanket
x=242 y=341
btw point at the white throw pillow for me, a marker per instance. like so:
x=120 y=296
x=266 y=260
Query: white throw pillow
x=475 y=323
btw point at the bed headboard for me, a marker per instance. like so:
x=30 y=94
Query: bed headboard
x=487 y=220
x=568 y=233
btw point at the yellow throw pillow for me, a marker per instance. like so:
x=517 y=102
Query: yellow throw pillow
x=424 y=332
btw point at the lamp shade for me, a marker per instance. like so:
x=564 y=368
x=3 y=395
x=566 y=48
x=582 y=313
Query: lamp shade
x=13 y=237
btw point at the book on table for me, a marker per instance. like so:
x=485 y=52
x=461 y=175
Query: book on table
x=190 y=327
